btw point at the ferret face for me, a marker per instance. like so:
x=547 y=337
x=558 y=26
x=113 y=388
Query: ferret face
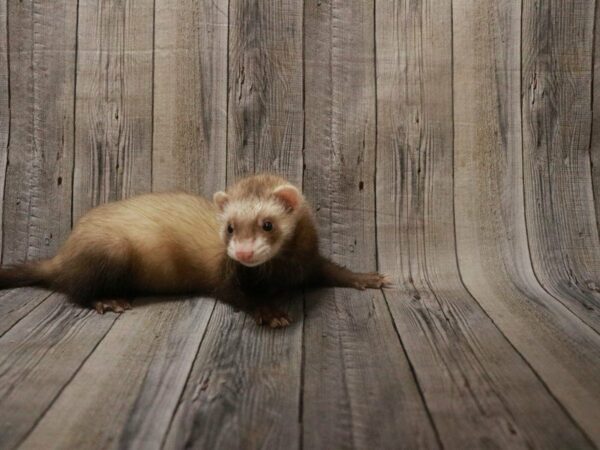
x=254 y=228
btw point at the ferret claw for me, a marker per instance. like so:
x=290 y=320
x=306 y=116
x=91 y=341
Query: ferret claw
x=272 y=318
x=372 y=280
x=117 y=306
x=99 y=307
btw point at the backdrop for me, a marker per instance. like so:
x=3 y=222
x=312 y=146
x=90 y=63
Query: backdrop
x=451 y=145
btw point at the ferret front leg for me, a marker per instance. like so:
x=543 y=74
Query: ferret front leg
x=271 y=316
x=261 y=309
x=330 y=274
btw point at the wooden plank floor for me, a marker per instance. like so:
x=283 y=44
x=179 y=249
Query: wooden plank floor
x=453 y=145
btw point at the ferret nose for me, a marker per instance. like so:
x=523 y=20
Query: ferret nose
x=244 y=255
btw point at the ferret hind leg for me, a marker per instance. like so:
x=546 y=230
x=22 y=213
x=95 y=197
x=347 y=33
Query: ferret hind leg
x=118 y=305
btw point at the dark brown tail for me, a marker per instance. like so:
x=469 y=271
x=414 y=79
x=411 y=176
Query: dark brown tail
x=28 y=274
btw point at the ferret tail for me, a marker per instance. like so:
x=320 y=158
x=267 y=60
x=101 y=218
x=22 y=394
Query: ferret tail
x=37 y=273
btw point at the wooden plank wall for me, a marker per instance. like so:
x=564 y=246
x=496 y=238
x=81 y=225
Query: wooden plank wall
x=454 y=145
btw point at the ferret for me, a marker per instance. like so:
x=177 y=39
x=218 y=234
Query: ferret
x=254 y=241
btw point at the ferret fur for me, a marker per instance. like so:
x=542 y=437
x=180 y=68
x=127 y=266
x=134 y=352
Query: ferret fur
x=178 y=243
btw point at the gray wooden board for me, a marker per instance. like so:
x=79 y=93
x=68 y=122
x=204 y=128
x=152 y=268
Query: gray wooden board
x=4 y=105
x=472 y=348
x=479 y=391
x=556 y=57
x=17 y=303
x=265 y=116
x=358 y=388
x=190 y=95
x=492 y=244
x=126 y=392
x=594 y=147
x=113 y=136
x=37 y=195
x=38 y=358
x=244 y=388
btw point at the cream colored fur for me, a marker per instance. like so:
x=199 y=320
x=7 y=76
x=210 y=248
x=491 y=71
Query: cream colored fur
x=163 y=230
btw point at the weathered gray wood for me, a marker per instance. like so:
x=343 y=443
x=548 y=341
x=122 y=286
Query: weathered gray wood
x=490 y=217
x=355 y=370
x=427 y=367
x=556 y=88
x=113 y=157
x=37 y=196
x=38 y=358
x=358 y=388
x=484 y=394
x=190 y=95
x=244 y=388
x=126 y=392
x=595 y=103
x=265 y=88
x=17 y=303
x=4 y=105
x=139 y=399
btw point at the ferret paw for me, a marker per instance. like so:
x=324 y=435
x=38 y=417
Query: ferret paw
x=271 y=317
x=372 y=280
x=118 y=306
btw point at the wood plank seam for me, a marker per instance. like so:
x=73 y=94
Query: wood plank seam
x=302 y=374
x=535 y=269
x=529 y=288
x=419 y=388
x=434 y=427
x=183 y=390
x=535 y=372
x=75 y=112
x=153 y=97
x=66 y=384
x=375 y=151
x=595 y=126
x=557 y=64
x=33 y=309
x=303 y=293
x=595 y=198
x=228 y=87
x=560 y=301
x=8 y=128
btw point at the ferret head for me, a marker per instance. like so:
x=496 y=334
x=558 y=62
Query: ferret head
x=257 y=222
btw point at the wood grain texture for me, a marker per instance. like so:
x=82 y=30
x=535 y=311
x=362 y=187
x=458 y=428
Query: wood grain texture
x=490 y=217
x=113 y=157
x=38 y=358
x=125 y=394
x=265 y=119
x=190 y=95
x=483 y=394
x=594 y=147
x=4 y=105
x=17 y=303
x=37 y=195
x=556 y=61
x=244 y=388
x=355 y=371
x=450 y=144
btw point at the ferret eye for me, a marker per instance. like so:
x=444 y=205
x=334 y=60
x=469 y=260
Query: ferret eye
x=267 y=226
x=230 y=228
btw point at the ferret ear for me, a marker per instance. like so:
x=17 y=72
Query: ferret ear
x=220 y=199
x=289 y=196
